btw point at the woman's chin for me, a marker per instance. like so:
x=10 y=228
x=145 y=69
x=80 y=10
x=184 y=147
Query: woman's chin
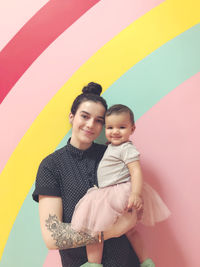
x=87 y=140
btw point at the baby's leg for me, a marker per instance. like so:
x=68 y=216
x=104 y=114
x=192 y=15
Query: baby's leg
x=137 y=243
x=94 y=252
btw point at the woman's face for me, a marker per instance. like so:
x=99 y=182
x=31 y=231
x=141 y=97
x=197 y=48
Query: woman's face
x=87 y=124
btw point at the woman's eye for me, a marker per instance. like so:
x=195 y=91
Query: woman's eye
x=84 y=116
x=100 y=121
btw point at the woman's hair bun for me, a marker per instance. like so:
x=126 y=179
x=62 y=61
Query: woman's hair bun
x=92 y=88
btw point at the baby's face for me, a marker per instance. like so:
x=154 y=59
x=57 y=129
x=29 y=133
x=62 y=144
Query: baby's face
x=118 y=128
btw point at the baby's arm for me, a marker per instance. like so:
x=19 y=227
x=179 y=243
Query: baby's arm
x=135 y=199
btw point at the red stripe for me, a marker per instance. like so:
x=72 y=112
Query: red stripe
x=35 y=36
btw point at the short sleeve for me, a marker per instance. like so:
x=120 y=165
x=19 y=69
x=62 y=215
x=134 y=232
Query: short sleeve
x=47 y=180
x=129 y=153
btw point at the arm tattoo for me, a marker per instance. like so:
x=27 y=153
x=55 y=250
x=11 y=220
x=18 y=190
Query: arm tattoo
x=65 y=236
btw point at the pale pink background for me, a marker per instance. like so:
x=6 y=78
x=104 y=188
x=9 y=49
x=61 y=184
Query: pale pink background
x=168 y=138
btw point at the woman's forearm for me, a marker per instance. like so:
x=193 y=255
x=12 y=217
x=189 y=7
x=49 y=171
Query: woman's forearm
x=60 y=235
x=64 y=237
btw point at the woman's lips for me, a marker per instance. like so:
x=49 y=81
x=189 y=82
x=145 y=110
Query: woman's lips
x=88 y=132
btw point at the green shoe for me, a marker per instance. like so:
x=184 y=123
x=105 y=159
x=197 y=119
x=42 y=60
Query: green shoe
x=147 y=263
x=89 y=264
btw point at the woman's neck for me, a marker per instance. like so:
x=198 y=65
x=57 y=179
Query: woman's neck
x=80 y=145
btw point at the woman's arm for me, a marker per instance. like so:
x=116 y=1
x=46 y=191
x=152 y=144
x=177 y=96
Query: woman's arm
x=59 y=235
x=136 y=182
x=56 y=234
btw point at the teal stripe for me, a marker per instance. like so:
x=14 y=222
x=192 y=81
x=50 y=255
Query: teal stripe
x=155 y=76
x=25 y=246
x=140 y=88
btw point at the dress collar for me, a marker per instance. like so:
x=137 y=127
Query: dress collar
x=78 y=152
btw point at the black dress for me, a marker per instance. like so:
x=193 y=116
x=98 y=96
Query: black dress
x=69 y=173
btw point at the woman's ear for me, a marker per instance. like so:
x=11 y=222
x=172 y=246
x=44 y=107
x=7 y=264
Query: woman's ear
x=71 y=118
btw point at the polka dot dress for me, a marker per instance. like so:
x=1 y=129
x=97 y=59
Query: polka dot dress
x=69 y=173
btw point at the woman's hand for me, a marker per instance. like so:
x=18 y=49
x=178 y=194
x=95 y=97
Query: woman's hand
x=123 y=225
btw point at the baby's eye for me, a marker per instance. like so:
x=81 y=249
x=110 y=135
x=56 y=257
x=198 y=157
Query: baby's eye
x=122 y=127
x=109 y=128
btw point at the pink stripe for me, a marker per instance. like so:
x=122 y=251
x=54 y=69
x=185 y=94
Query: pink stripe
x=35 y=37
x=52 y=69
x=53 y=259
x=13 y=19
x=168 y=139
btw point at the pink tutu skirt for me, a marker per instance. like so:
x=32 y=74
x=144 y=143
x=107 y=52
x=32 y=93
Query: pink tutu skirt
x=100 y=208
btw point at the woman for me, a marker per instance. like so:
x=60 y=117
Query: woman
x=65 y=176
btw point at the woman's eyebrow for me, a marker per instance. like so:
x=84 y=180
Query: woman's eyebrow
x=100 y=117
x=83 y=111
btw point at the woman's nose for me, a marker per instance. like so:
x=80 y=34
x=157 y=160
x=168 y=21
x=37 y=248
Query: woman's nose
x=90 y=123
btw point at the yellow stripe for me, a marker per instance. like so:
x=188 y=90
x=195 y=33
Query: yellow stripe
x=133 y=44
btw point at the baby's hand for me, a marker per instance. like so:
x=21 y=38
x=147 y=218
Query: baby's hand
x=135 y=201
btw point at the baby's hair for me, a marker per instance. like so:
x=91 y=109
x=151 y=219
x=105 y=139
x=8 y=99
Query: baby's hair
x=90 y=92
x=118 y=109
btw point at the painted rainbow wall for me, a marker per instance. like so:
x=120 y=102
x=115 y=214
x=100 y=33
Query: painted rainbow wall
x=146 y=54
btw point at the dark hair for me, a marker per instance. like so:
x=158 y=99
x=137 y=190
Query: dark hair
x=118 y=109
x=91 y=92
